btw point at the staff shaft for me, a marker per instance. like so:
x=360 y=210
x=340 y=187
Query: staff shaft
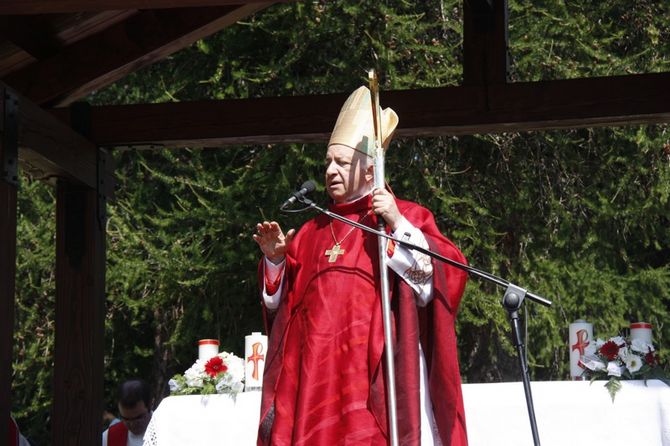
x=383 y=269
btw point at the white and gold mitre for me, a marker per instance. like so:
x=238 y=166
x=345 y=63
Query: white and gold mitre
x=354 y=127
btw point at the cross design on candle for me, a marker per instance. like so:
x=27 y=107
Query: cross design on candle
x=333 y=252
x=582 y=341
x=255 y=357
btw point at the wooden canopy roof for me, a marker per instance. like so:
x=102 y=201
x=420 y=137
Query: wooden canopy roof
x=54 y=52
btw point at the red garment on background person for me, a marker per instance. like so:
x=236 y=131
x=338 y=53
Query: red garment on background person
x=13 y=433
x=324 y=380
x=117 y=435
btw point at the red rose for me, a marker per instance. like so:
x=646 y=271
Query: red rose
x=651 y=358
x=215 y=366
x=609 y=350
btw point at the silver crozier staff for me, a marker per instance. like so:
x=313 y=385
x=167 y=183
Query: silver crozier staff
x=383 y=260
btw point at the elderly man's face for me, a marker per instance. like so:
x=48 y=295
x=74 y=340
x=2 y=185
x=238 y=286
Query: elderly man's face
x=348 y=173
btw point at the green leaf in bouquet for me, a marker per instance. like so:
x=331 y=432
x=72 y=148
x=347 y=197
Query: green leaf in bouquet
x=613 y=386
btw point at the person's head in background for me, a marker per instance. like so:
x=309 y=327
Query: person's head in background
x=135 y=403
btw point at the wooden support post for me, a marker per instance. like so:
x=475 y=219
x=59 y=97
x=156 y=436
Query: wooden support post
x=80 y=286
x=485 y=39
x=8 y=182
x=79 y=351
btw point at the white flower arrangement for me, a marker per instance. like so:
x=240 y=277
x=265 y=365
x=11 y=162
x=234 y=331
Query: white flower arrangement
x=223 y=373
x=618 y=358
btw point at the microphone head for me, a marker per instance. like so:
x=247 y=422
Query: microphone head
x=308 y=186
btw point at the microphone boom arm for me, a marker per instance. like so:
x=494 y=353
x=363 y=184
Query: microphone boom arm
x=467 y=268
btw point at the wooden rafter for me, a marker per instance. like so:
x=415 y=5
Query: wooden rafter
x=51 y=149
x=33 y=34
x=69 y=6
x=140 y=40
x=571 y=103
x=42 y=36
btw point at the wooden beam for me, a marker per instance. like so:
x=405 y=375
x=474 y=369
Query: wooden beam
x=80 y=311
x=7 y=264
x=515 y=107
x=51 y=149
x=531 y=106
x=33 y=34
x=71 y=6
x=485 y=41
x=306 y=119
x=140 y=40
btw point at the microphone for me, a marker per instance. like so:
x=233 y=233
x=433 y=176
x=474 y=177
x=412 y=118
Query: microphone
x=306 y=188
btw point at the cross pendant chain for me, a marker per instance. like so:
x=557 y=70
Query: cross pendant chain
x=333 y=252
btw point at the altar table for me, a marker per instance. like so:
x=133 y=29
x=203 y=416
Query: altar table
x=568 y=413
x=207 y=420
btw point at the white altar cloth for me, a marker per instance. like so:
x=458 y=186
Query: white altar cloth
x=568 y=413
x=207 y=420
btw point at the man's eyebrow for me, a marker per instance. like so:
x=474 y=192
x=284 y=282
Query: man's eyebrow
x=337 y=158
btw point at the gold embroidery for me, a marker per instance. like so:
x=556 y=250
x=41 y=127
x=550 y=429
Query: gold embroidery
x=420 y=271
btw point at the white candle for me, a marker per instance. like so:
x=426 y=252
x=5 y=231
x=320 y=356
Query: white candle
x=641 y=331
x=255 y=350
x=580 y=337
x=207 y=348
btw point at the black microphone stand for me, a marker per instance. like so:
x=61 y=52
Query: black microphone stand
x=511 y=301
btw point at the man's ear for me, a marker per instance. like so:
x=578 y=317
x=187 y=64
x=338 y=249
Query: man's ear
x=370 y=172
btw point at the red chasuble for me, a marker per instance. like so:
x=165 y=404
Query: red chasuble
x=117 y=435
x=324 y=376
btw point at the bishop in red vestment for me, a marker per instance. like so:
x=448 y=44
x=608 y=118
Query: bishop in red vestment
x=324 y=381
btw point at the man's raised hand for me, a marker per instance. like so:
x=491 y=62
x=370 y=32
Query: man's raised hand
x=272 y=240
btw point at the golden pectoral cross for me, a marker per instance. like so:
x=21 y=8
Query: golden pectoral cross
x=333 y=252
